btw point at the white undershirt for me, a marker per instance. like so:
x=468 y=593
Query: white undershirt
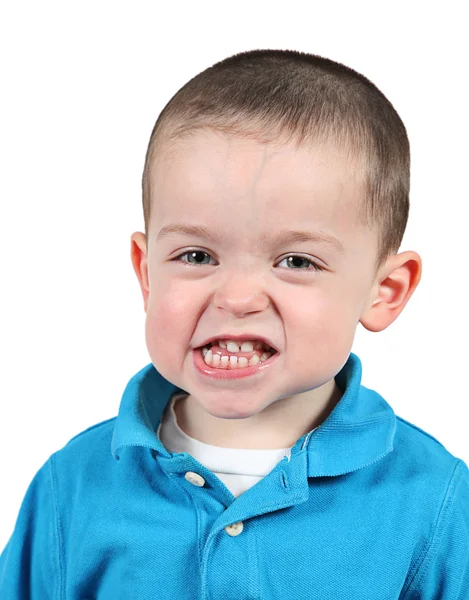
x=238 y=469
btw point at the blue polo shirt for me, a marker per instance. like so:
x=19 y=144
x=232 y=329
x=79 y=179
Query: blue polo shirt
x=366 y=506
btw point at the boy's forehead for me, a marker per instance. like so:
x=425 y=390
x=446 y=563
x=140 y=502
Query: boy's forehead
x=235 y=149
x=252 y=181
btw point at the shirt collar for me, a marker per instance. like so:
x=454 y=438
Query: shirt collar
x=359 y=430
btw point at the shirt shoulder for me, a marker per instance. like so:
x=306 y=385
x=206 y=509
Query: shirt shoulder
x=421 y=458
x=86 y=450
x=92 y=432
x=411 y=433
x=418 y=432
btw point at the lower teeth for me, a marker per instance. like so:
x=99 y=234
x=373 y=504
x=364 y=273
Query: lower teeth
x=232 y=362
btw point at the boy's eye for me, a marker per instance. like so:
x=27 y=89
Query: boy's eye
x=293 y=260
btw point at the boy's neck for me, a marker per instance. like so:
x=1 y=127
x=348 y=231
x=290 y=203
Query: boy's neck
x=279 y=426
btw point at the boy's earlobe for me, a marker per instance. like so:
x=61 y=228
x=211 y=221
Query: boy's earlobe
x=402 y=274
x=138 y=255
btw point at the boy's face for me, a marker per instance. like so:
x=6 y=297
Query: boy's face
x=243 y=191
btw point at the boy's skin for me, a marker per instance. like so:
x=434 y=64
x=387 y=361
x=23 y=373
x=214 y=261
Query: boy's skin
x=242 y=189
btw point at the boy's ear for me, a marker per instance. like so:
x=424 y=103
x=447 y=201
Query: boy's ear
x=395 y=283
x=138 y=253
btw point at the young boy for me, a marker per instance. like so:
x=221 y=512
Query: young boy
x=247 y=460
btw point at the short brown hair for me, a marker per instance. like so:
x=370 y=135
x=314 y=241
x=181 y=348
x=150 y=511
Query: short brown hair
x=282 y=95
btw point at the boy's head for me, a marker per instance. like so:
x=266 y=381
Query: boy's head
x=260 y=145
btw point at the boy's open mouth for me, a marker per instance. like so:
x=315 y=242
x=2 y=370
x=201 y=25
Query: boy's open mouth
x=232 y=355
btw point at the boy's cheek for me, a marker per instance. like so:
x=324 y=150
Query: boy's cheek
x=169 y=327
x=164 y=346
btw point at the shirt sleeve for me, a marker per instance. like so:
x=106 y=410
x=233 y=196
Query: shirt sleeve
x=29 y=563
x=444 y=571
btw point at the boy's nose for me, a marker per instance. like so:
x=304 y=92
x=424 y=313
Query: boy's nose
x=241 y=295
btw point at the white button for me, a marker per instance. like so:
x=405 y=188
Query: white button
x=234 y=529
x=195 y=479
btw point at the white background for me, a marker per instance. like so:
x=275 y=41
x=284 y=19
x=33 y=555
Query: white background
x=82 y=85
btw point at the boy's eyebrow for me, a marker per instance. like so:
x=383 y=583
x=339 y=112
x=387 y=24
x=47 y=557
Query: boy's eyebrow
x=282 y=237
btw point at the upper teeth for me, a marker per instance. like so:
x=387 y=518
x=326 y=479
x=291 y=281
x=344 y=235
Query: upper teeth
x=246 y=346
